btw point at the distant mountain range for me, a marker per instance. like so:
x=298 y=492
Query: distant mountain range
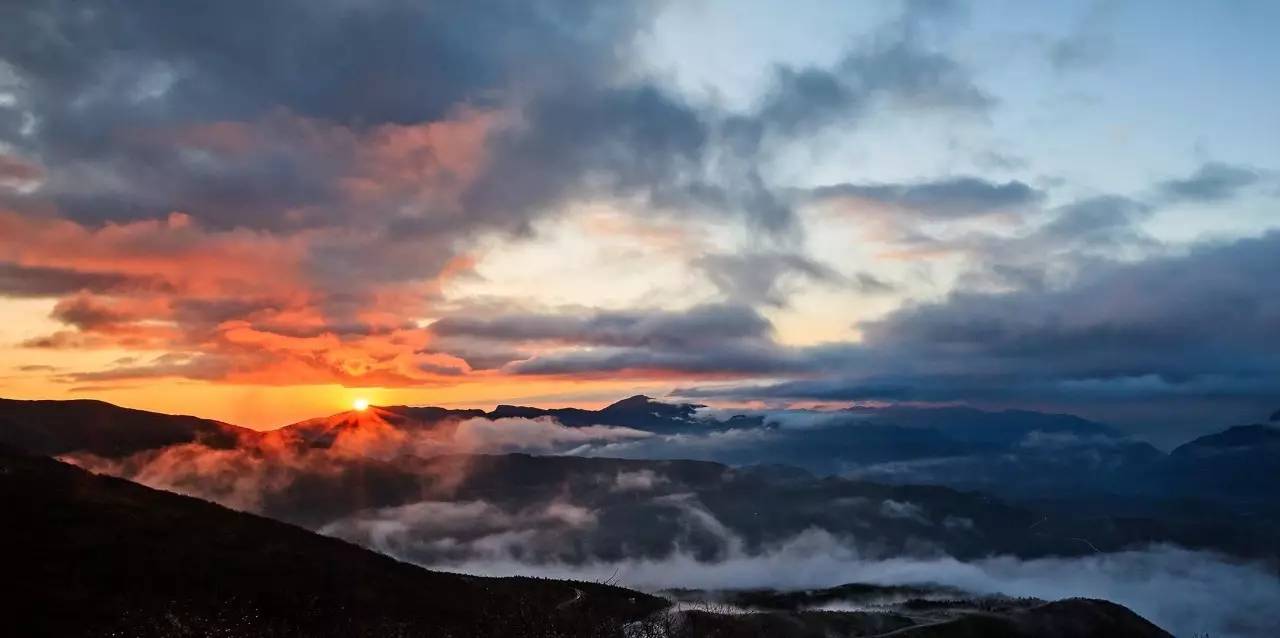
x=1021 y=455
x=1066 y=485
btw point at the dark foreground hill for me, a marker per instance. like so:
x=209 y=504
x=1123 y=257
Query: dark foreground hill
x=94 y=555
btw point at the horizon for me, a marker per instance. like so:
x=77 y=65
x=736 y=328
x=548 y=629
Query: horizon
x=713 y=413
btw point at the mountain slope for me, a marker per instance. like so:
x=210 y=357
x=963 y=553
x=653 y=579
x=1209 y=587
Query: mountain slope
x=1240 y=464
x=1072 y=618
x=97 y=555
x=58 y=427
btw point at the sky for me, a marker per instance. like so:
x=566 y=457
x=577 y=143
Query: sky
x=258 y=212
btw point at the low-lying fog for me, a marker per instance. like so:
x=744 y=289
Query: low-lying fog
x=1185 y=592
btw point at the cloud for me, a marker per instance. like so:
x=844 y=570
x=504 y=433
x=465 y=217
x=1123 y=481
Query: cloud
x=638 y=481
x=17 y=280
x=1212 y=182
x=1189 y=325
x=658 y=328
x=18 y=173
x=896 y=67
x=462 y=529
x=769 y=278
x=183 y=161
x=533 y=435
x=262 y=472
x=705 y=339
x=1089 y=44
x=1185 y=592
x=905 y=510
x=949 y=198
x=192 y=192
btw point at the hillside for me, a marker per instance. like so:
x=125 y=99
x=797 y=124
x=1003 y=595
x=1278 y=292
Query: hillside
x=103 y=556
x=99 y=555
x=58 y=427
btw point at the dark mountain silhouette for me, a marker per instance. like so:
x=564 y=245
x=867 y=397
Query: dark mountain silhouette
x=96 y=555
x=639 y=412
x=58 y=427
x=1238 y=465
x=1238 y=438
x=919 y=618
x=1072 y=618
x=1112 y=493
x=998 y=428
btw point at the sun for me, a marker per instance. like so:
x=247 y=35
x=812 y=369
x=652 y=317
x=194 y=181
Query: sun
x=360 y=405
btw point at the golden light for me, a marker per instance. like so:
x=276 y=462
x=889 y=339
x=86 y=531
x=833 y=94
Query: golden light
x=360 y=405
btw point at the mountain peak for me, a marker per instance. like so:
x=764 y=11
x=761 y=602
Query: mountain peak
x=631 y=403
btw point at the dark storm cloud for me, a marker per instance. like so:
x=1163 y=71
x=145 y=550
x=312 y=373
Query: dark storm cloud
x=1212 y=182
x=631 y=140
x=263 y=116
x=897 y=67
x=767 y=277
x=1067 y=237
x=1104 y=219
x=1195 y=325
x=643 y=140
x=947 y=198
x=696 y=327
x=724 y=359
x=728 y=340
x=333 y=59
x=97 y=75
x=1155 y=311
x=34 y=281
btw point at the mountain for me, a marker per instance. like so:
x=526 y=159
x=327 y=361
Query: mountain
x=861 y=609
x=102 y=556
x=58 y=427
x=119 y=557
x=389 y=423
x=930 y=618
x=1001 y=452
x=1240 y=465
x=638 y=412
x=1241 y=438
x=357 y=474
x=998 y=428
